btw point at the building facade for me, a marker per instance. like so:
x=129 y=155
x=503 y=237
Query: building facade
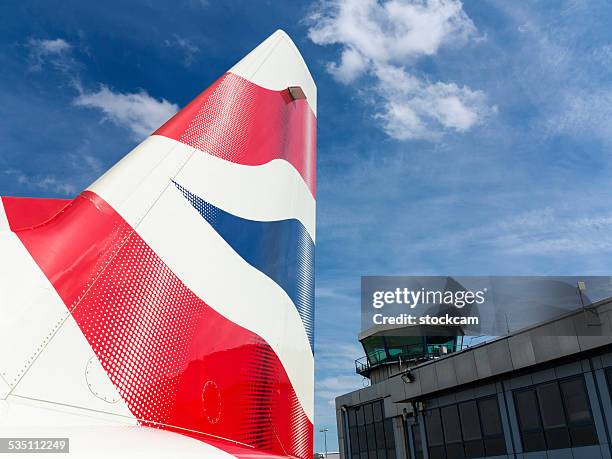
x=543 y=392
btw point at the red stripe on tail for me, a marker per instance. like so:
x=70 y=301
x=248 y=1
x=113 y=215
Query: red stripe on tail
x=241 y=122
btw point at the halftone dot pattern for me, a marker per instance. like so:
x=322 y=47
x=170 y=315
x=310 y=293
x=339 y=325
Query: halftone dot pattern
x=160 y=344
x=221 y=125
x=282 y=250
x=140 y=319
x=241 y=122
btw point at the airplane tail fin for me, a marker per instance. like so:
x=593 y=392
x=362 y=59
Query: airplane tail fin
x=186 y=272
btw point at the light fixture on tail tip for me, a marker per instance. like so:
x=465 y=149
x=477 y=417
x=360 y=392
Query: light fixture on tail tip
x=296 y=92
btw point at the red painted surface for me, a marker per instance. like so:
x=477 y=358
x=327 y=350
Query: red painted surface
x=241 y=122
x=28 y=212
x=176 y=362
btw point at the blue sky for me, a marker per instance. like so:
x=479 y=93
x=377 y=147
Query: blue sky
x=459 y=139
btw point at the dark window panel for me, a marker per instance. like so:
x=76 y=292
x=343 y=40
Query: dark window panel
x=354 y=455
x=576 y=401
x=381 y=454
x=369 y=416
x=363 y=455
x=437 y=452
x=391 y=453
x=378 y=411
x=352 y=416
x=389 y=438
x=455 y=451
x=363 y=443
x=551 y=406
x=451 y=424
x=380 y=435
x=416 y=438
x=527 y=410
x=474 y=448
x=583 y=435
x=495 y=446
x=354 y=440
x=371 y=436
x=470 y=424
x=360 y=416
x=533 y=441
x=489 y=413
x=557 y=438
x=433 y=425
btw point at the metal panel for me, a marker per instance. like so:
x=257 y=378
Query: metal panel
x=483 y=391
x=545 y=343
x=428 y=377
x=400 y=436
x=521 y=351
x=447 y=399
x=536 y=455
x=543 y=376
x=499 y=357
x=606 y=359
x=595 y=407
x=505 y=422
x=445 y=372
x=339 y=425
x=465 y=368
x=514 y=427
x=569 y=369
x=561 y=454
x=481 y=358
x=584 y=323
x=467 y=394
x=565 y=331
x=604 y=392
x=519 y=382
x=409 y=390
x=587 y=452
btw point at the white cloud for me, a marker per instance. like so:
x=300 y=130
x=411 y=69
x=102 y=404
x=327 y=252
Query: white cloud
x=138 y=112
x=56 y=52
x=187 y=47
x=43 y=182
x=382 y=39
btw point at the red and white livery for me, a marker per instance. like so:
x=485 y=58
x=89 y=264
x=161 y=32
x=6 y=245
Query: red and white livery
x=167 y=311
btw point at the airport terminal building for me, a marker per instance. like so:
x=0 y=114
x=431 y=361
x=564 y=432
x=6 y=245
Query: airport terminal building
x=542 y=392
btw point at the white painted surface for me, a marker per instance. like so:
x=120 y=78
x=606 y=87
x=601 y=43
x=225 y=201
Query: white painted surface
x=4 y=225
x=44 y=353
x=94 y=435
x=272 y=191
x=277 y=64
x=30 y=308
x=60 y=375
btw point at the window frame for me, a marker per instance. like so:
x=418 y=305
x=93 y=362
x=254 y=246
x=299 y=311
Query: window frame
x=365 y=435
x=566 y=427
x=483 y=437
